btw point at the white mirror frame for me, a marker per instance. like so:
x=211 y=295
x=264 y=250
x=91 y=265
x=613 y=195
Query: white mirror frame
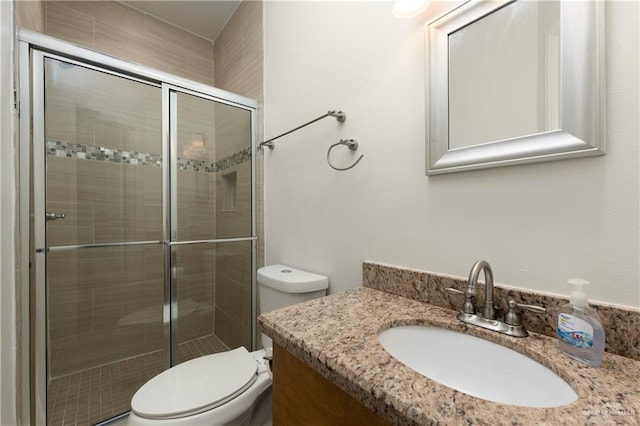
x=582 y=101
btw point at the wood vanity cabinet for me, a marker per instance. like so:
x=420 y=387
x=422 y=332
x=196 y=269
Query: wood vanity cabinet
x=301 y=396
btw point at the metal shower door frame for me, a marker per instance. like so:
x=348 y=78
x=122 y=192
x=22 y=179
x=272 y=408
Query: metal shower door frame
x=33 y=48
x=170 y=101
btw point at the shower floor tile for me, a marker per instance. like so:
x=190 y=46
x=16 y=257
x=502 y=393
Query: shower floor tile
x=97 y=394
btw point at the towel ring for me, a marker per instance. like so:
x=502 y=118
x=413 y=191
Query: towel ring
x=352 y=144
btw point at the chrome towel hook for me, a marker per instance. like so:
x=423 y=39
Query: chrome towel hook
x=352 y=144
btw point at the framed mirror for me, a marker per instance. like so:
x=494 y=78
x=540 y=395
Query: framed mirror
x=513 y=82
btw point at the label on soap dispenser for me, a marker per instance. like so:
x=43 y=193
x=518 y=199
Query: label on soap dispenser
x=575 y=331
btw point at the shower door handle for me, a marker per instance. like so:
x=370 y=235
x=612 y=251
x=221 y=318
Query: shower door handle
x=53 y=216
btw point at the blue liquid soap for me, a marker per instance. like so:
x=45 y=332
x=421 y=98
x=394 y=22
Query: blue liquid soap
x=580 y=331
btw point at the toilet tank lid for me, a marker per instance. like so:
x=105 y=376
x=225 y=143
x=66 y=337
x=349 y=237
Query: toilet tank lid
x=291 y=280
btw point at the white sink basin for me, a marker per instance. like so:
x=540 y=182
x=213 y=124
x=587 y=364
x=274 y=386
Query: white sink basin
x=476 y=367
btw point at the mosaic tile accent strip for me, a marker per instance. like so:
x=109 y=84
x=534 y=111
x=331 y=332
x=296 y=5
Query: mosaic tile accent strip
x=85 y=152
x=197 y=165
x=235 y=159
x=134 y=158
x=622 y=326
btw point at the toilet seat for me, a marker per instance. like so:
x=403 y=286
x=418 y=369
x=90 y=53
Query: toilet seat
x=196 y=386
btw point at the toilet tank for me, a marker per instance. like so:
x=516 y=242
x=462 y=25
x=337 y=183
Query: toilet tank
x=281 y=285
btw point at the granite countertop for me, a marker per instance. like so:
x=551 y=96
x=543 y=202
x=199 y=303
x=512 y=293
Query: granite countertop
x=337 y=337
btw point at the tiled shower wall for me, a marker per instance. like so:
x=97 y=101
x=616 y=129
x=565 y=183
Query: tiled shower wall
x=233 y=262
x=238 y=58
x=115 y=29
x=118 y=30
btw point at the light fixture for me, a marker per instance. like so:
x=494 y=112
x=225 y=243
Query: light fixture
x=409 y=8
x=196 y=148
x=197 y=140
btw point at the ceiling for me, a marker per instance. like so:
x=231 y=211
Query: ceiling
x=205 y=18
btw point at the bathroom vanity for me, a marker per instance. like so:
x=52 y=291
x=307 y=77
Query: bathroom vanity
x=329 y=365
x=303 y=396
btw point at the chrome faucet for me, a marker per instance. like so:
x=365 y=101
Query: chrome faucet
x=511 y=324
x=489 y=311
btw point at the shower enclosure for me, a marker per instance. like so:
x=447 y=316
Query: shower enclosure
x=143 y=229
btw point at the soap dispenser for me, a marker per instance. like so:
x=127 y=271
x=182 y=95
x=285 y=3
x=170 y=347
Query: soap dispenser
x=580 y=330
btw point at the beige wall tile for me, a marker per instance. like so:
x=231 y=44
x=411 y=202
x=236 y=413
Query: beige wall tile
x=103 y=202
x=103 y=111
x=90 y=293
x=195 y=325
x=237 y=222
x=71 y=22
x=239 y=50
x=118 y=30
x=239 y=56
x=199 y=68
x=30 y=15
x=62 y=179
x=153 y=186
x=196 y=118
x=233 y=130
x=76 y=228
x=164 y=56
x=196 y=212
x=183 y=40
x=233 y=293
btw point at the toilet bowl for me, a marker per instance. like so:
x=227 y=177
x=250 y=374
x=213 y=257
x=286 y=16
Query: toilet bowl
x=227 y=388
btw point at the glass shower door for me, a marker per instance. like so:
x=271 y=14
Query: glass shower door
x=104 y=286
x=143 y=233
x=212 y=244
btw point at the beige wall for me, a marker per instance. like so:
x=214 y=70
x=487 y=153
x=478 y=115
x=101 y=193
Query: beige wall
x=537 y=224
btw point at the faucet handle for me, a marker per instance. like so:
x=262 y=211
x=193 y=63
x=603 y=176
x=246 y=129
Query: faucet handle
x=454 y=291
x=513 y=315
x=467 y=307
x=532 y=308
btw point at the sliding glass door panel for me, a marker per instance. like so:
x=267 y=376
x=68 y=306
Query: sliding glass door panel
x=103 y=157
x=103 y=240
x=214 y=284
x=105 y=330
x=213 y=144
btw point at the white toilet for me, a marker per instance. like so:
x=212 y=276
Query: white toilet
x=228 y=388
